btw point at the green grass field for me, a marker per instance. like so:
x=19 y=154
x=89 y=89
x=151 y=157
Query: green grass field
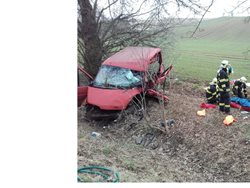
x=217 y=39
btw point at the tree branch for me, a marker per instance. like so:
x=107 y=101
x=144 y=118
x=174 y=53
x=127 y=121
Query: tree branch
x=202 y=18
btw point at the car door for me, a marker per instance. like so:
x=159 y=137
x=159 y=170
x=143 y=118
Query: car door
x=83 y=79
x=163 y=74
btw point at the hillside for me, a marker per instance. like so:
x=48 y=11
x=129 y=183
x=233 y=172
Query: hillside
x=224 y=28
x=215 y=40
x=194 y=149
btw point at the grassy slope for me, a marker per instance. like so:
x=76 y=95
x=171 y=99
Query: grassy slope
x=195 y=149
x=217 y=39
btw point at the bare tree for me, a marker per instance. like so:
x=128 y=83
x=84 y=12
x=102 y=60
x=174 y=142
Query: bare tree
x=104 y=28
x=89 y=44
x=242 y=6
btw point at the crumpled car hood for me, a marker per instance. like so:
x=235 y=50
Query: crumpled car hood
x=111 y=99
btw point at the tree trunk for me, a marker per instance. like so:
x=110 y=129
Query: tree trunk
x=89 y=34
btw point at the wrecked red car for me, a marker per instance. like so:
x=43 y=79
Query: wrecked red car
x=126 y=75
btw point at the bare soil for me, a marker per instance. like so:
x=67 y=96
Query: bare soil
x=194 y=149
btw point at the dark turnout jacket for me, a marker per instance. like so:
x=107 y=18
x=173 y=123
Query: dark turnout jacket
x=223 y=81
x=239 y=88
x=223 y=89
x=211 y=93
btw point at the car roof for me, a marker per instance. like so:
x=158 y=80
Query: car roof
x=134 y=58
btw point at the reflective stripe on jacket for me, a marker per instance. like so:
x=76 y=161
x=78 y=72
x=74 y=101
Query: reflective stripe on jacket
x=238 y=87
x=211 y=92
x=223 y=81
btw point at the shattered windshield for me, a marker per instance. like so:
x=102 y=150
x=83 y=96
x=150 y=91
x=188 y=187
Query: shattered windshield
x=117 y=77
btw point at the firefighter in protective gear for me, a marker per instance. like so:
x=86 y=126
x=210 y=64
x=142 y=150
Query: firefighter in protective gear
x=212 y=92
x=239 y=86
x=223 y=87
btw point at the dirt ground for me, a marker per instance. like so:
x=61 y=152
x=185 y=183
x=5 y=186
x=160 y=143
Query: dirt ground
x=193 y=149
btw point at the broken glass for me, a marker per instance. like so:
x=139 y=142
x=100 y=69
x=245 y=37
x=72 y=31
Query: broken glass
x=117 y=77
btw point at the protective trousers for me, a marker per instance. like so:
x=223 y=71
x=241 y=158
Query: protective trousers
x=224 y=103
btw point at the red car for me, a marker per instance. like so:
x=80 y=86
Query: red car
x=123 y=77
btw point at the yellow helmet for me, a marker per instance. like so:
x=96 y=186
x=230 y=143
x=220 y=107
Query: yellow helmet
x=214 y=81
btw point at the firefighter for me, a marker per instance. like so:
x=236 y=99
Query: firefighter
x=239 y=86
x=211 y=92
x=224 y=87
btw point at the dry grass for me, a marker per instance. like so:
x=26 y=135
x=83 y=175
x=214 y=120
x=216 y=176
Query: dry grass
x=195 y=149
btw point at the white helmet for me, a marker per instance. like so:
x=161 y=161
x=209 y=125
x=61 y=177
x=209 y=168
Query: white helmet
x=243 y=79
x=214 y=81
x=224 y=64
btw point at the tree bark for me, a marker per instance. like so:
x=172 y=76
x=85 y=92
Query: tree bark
x=89 y=34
